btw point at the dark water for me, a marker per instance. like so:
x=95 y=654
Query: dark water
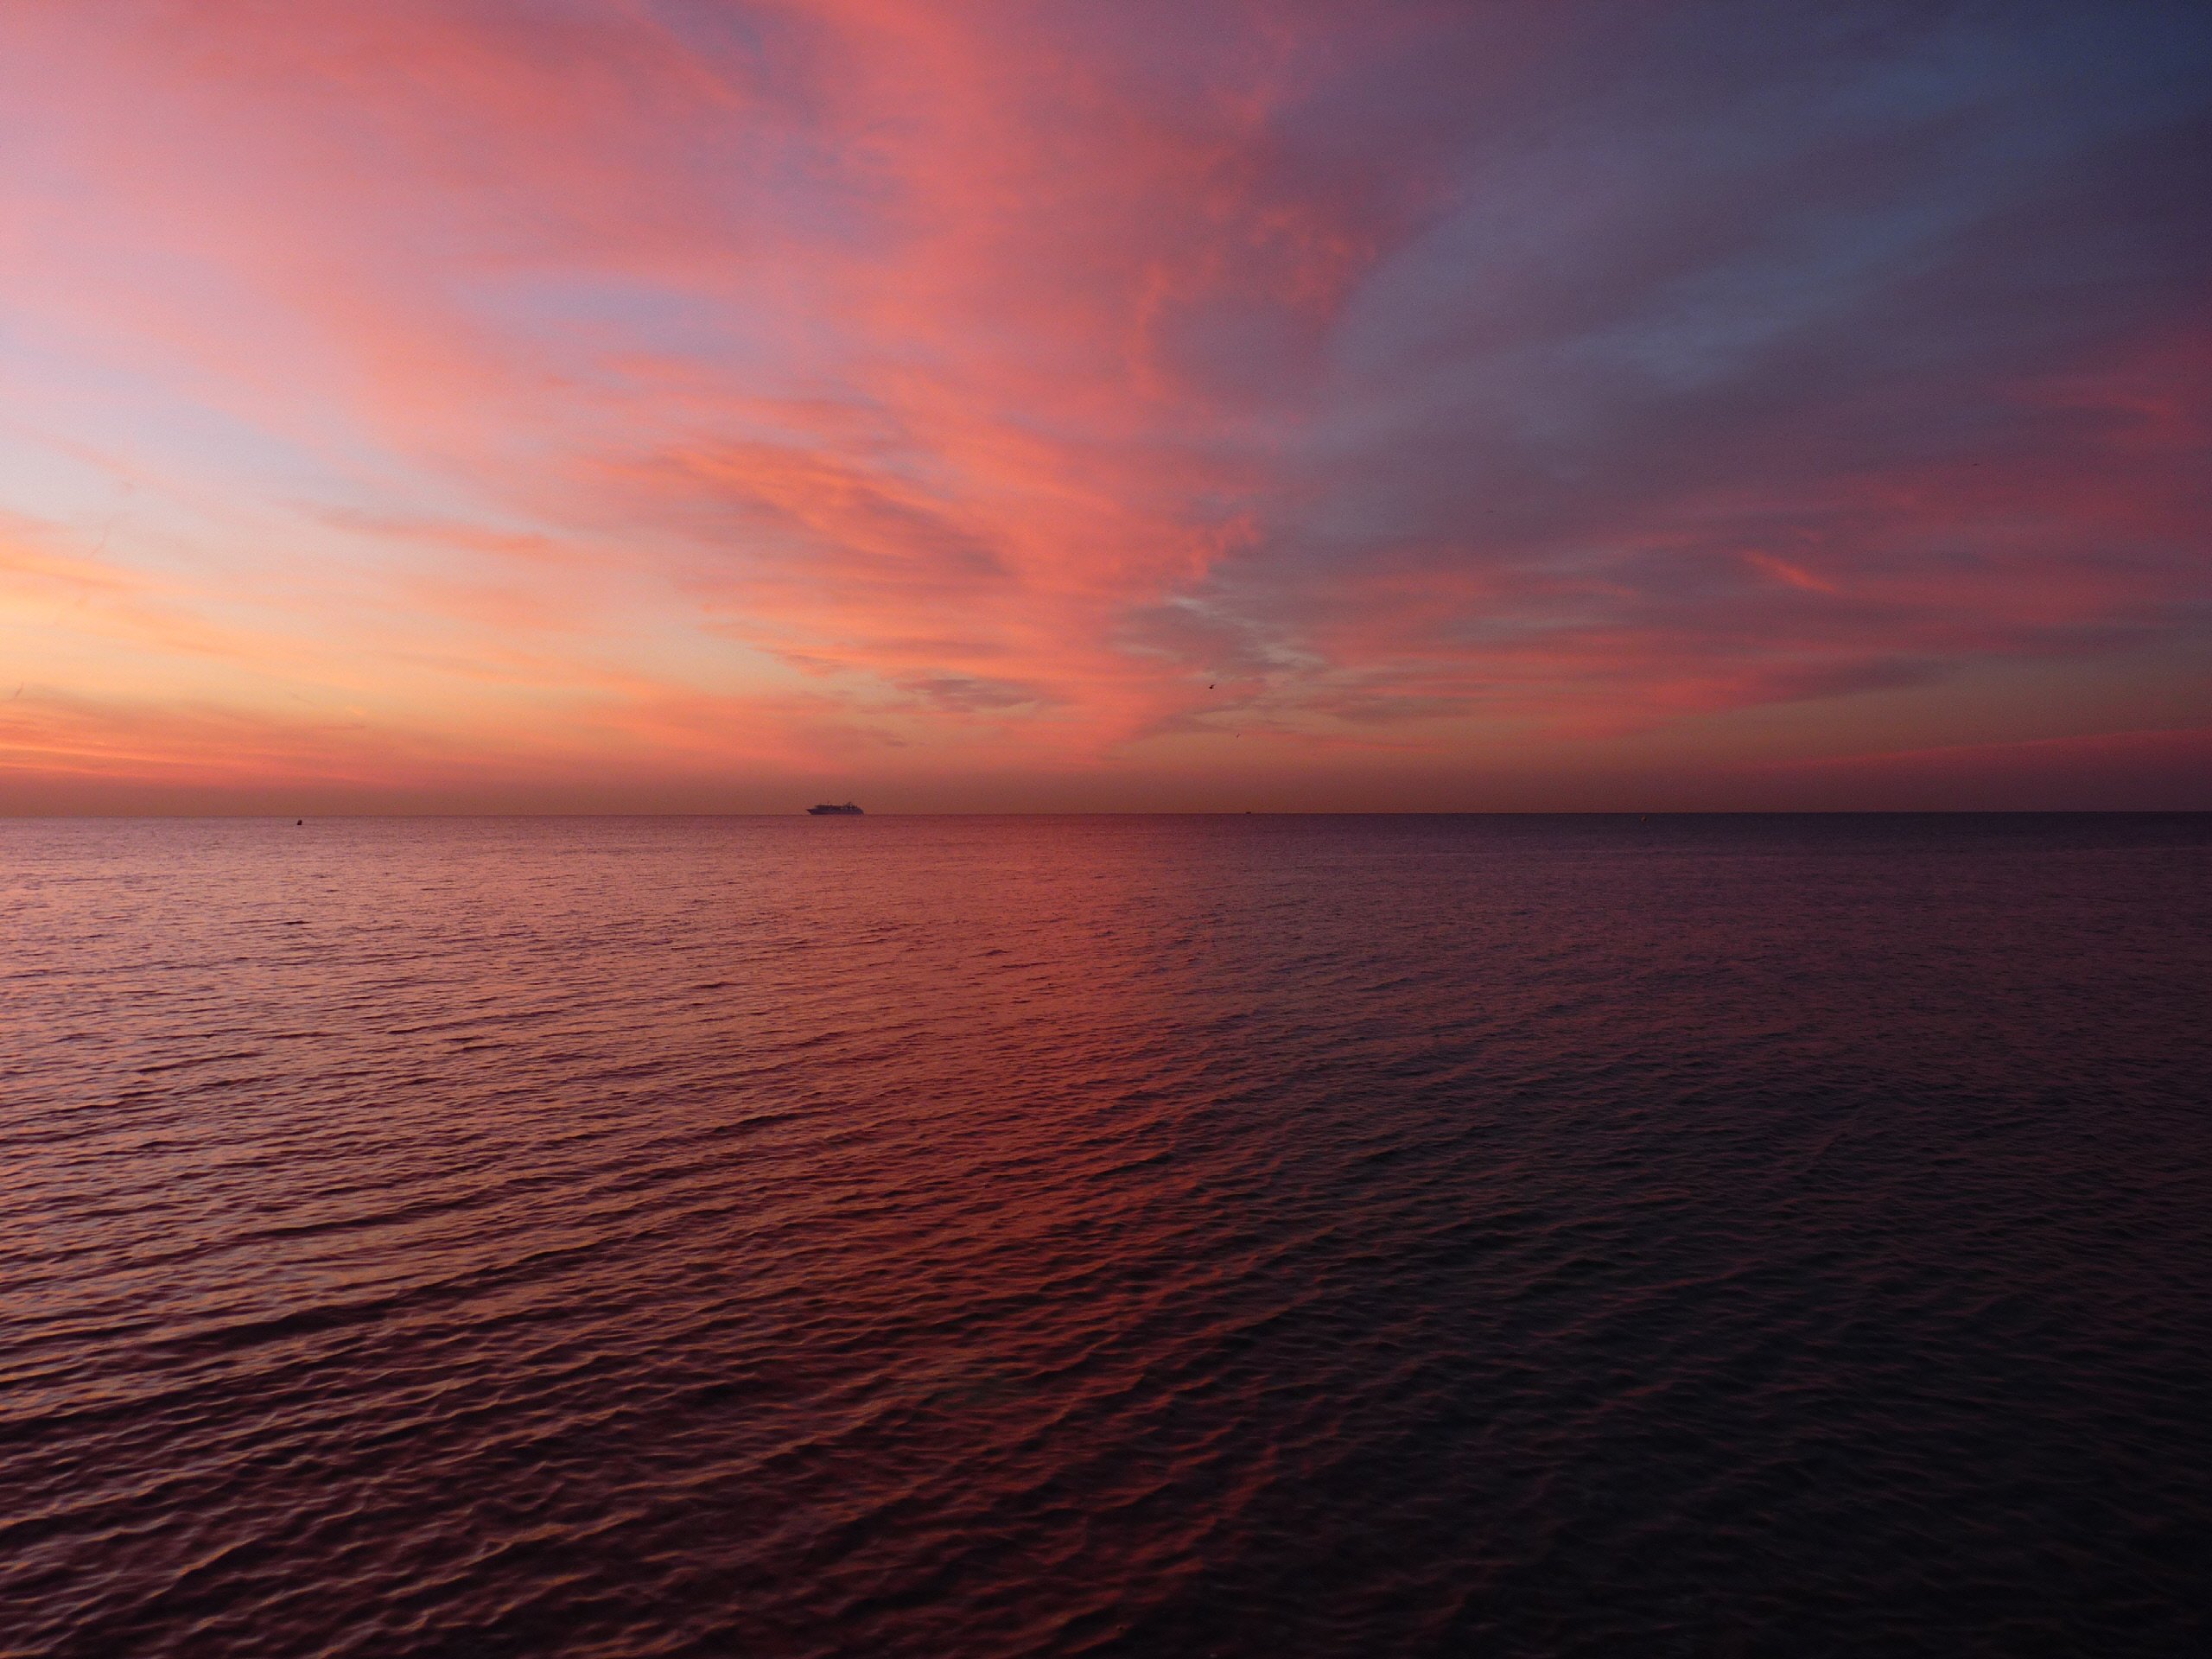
x=1142 y=1237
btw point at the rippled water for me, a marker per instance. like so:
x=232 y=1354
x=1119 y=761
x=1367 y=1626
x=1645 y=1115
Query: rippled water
x=1138 y=1236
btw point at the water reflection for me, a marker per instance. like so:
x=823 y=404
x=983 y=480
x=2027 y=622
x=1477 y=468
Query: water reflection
x=1096 y=1236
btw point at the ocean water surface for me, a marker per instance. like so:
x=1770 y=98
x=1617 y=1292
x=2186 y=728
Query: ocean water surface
x=1243 y=1237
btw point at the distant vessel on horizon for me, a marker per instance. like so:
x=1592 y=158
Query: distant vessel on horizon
x=847 y=810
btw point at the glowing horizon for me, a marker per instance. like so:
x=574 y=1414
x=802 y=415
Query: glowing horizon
x=613 y=404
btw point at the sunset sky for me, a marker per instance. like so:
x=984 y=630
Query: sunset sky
x=684 y=404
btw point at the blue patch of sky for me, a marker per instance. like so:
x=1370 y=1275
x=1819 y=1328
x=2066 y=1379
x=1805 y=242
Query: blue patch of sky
x=125 y=464
x=1535 y=316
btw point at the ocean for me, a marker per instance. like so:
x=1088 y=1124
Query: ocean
x=967 y=1237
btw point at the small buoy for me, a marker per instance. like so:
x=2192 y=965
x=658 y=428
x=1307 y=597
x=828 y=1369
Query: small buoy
x=297 y=823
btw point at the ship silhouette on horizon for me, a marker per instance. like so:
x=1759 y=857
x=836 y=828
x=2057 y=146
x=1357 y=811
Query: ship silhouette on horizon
x=847 y=810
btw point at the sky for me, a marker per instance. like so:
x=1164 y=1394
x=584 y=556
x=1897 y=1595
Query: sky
x=1174 y=404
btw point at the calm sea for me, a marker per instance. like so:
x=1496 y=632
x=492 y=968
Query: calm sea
x=969 y=1238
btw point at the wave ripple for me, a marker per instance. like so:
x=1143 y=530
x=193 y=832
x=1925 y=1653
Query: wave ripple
x=1105 y=1237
